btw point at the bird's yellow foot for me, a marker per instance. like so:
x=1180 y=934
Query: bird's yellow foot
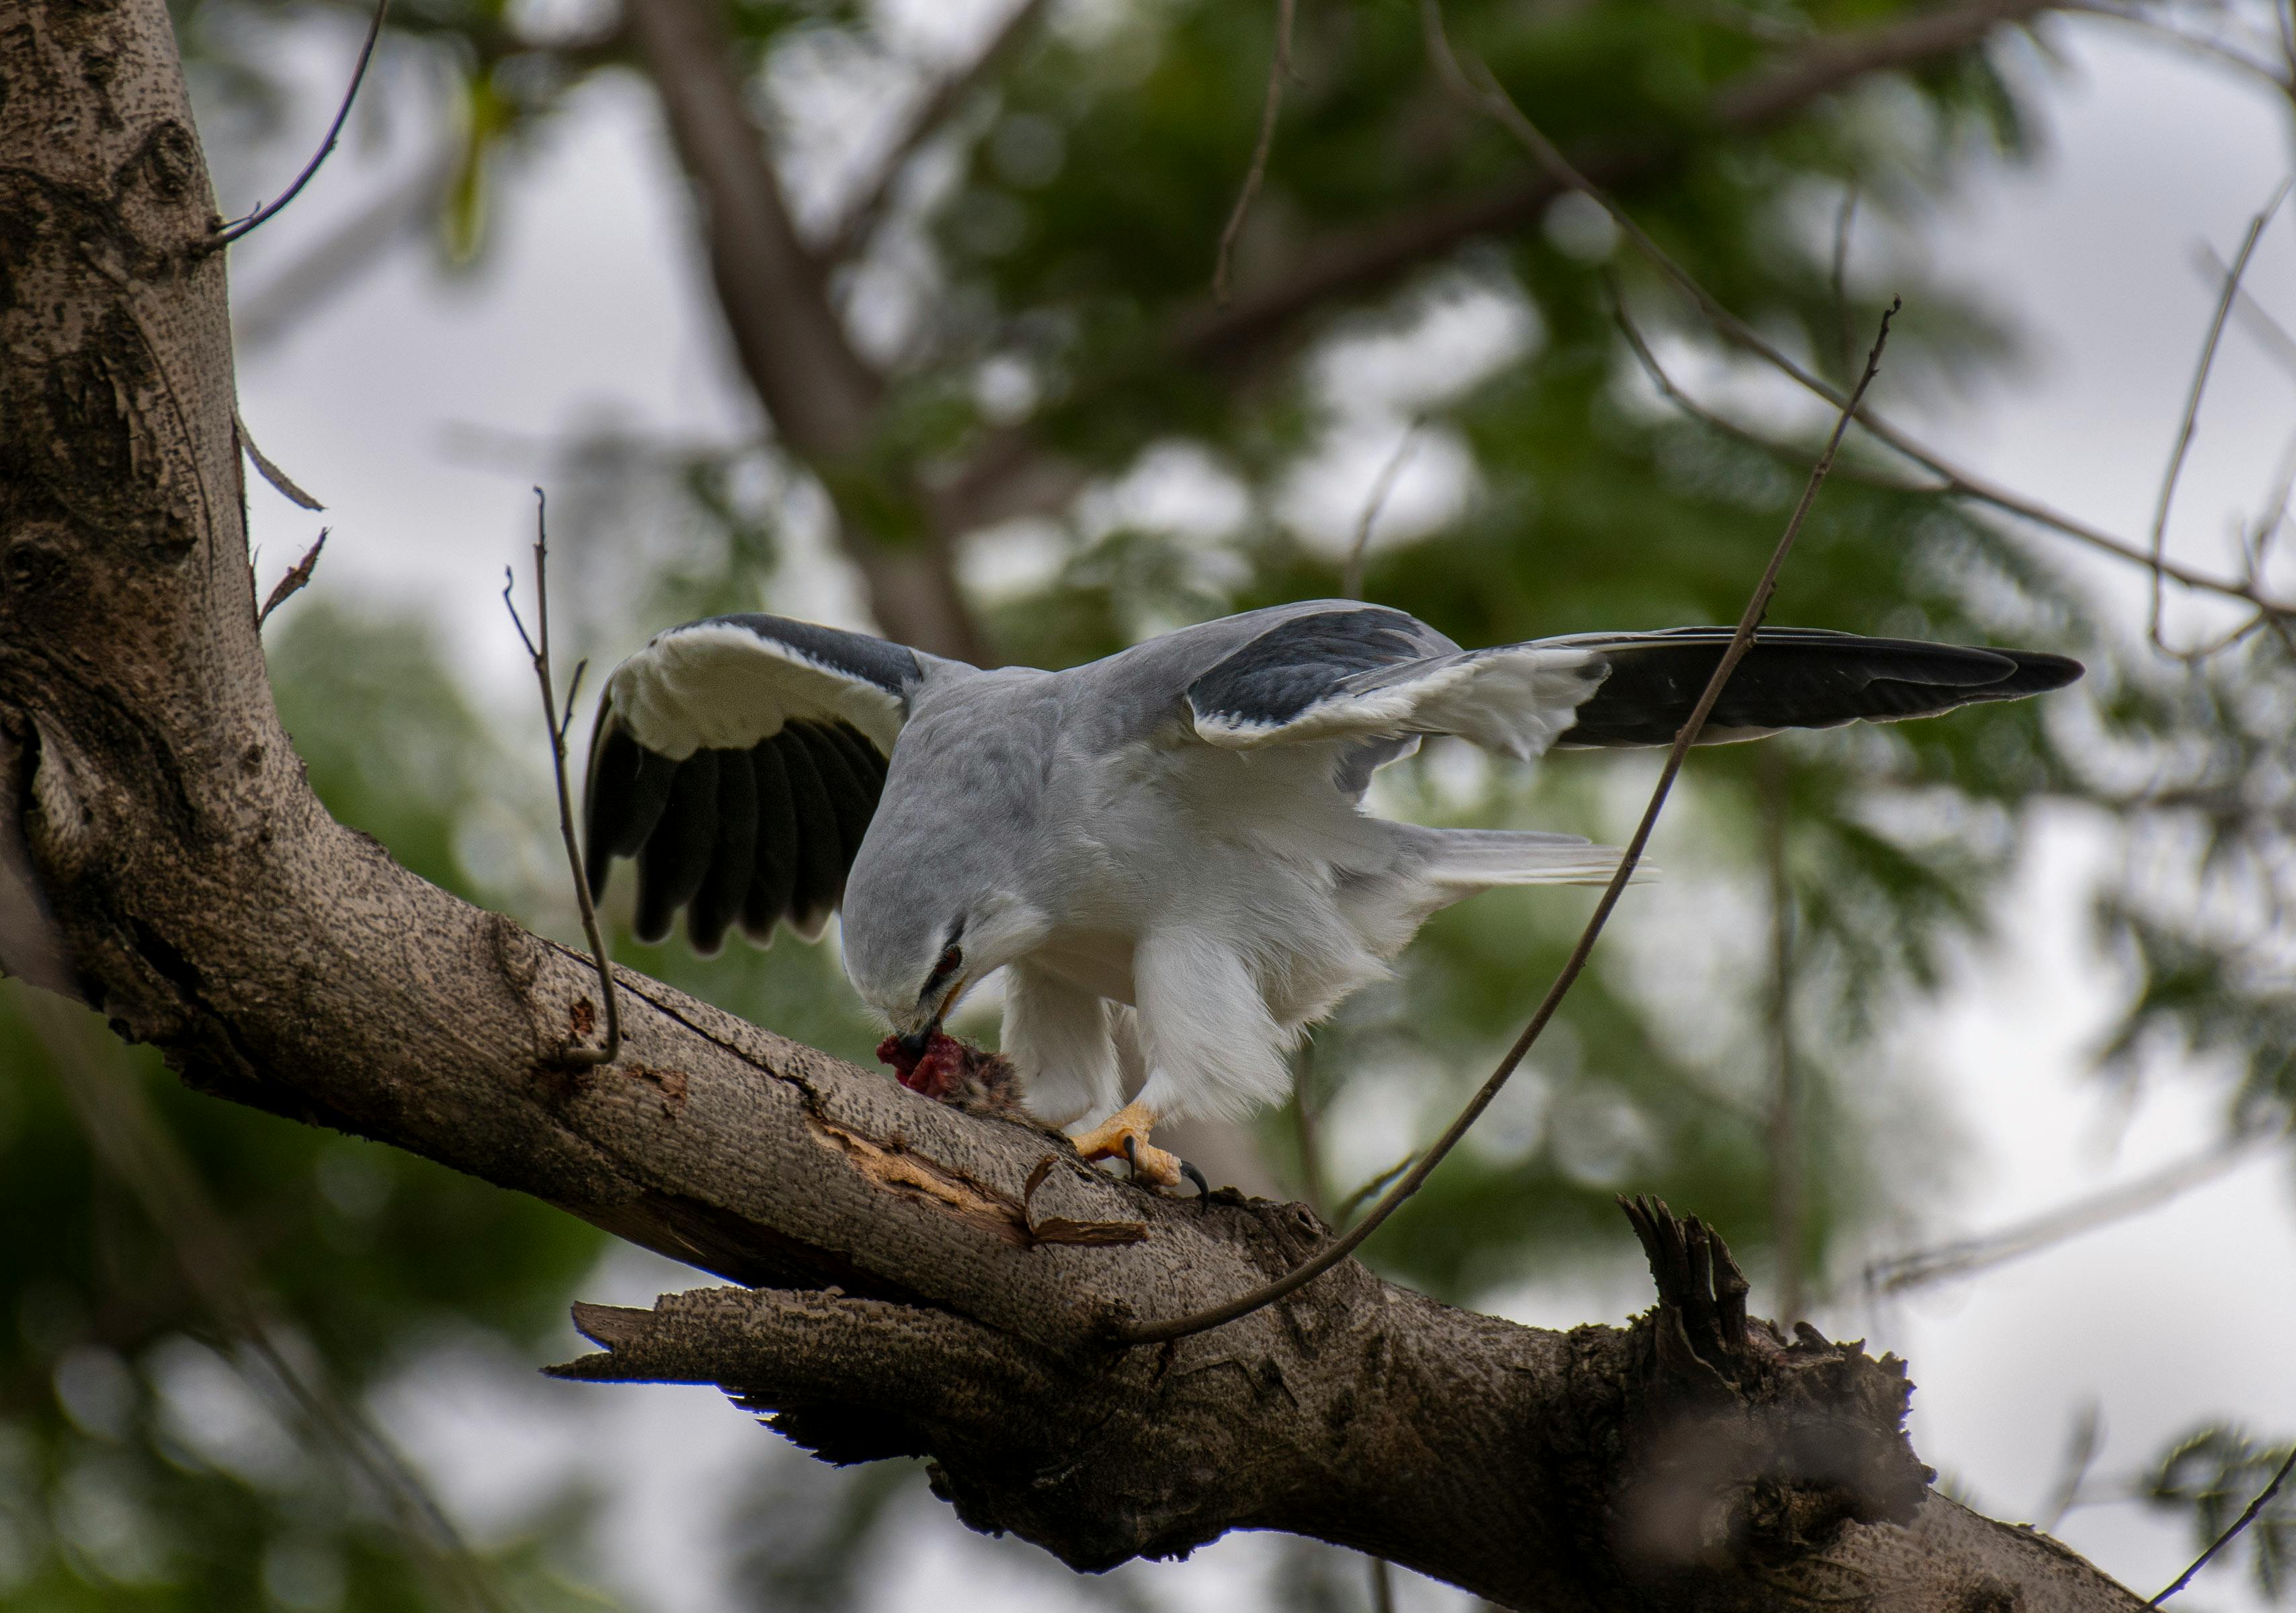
x=1124 y=1136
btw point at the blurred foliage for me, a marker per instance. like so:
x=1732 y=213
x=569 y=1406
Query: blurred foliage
x=2215 y=1473
x=149 y=1461
x=1044 y=250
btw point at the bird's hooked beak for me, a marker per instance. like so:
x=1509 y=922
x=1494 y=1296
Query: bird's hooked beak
x=914 y=1043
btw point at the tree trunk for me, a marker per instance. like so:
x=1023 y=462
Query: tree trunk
x=821 y=395
x=162 y=859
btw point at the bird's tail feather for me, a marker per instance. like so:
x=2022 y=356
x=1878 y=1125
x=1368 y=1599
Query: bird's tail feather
x=1475 y=859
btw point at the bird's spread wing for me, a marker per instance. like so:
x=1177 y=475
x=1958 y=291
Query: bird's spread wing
x=1792 y=677
x=1364 y=672
x=1377 y=676
x=739 y=759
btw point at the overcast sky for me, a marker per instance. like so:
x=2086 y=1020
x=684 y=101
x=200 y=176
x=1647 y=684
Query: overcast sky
x=590 y=308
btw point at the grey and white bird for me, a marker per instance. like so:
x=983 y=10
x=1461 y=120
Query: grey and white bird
x=1165 y=851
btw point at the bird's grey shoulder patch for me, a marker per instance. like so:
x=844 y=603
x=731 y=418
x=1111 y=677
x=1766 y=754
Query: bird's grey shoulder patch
x=1299 y=661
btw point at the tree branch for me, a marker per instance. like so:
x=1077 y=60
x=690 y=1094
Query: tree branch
x=1360 y=261
x=203 y=900
x=1010 y=475
x=821 y=396
x=1279 y=67
x=947 y=98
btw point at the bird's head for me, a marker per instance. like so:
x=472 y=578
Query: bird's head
x=914 y=946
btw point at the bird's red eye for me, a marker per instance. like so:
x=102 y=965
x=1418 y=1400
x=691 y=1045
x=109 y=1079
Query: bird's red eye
x=951 y=959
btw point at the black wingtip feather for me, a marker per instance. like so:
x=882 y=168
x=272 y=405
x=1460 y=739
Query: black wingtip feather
x=711 y=912
x=820 y=860
x=774 y=873
x=606 y=799
x=676 y=857
x=1794 y=677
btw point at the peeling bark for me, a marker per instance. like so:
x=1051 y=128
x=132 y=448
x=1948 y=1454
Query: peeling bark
x=918 y=1278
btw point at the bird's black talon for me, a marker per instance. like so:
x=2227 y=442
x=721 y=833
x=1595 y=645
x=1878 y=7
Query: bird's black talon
x=1132 y=1153
x=1203 y=1188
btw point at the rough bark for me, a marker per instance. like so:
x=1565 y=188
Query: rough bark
x=162 y=859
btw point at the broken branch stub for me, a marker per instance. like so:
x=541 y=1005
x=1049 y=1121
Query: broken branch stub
x=1747 y=1450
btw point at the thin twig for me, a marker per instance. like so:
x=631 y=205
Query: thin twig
x=2212 y=50
x=1303 y=1128
x=574 y=1055
x=2080 y=1455
x=325 y=268
x=1354 y=1201
x=948 y=96
x=2274 y=336
x=1639 y=345
x=1845 y=320
x=1740 y=641
x=1784 y=1118
x=224 y=235
x=1494 y=101
x=1966 y=1256
x=293 y=582
x=2193 y=405
x=2247 y=1518
x=1277 y=70
x=1351 y=574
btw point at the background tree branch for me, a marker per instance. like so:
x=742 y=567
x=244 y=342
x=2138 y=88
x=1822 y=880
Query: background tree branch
x=821 y=395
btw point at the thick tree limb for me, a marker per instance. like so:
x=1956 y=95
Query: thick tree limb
x=821 y=395
x=906 y=1297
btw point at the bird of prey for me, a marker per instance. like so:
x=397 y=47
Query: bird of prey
x=1166 y=850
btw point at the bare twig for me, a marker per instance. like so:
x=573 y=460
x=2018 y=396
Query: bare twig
x=224 y=235
x=1351 y=574
x=1784 y=1118
x=1303 y=1128
x=325 y=268
x=1969 y=1256
x=1492 y=100
x=271 y=473
x=2080 y=1455
x=138 y=1152
x=2212 y=50
x=292 y=583
x=576 y=1056
x=1638 y=344
x=1278 y=68
x=1740 y=641
x=1354 y=1201
x=2247 y=1518
x=950 y=94
x=1845 y=320
x=2192 y=404
x=2274 y=336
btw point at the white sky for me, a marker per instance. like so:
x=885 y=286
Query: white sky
x=590 y=306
